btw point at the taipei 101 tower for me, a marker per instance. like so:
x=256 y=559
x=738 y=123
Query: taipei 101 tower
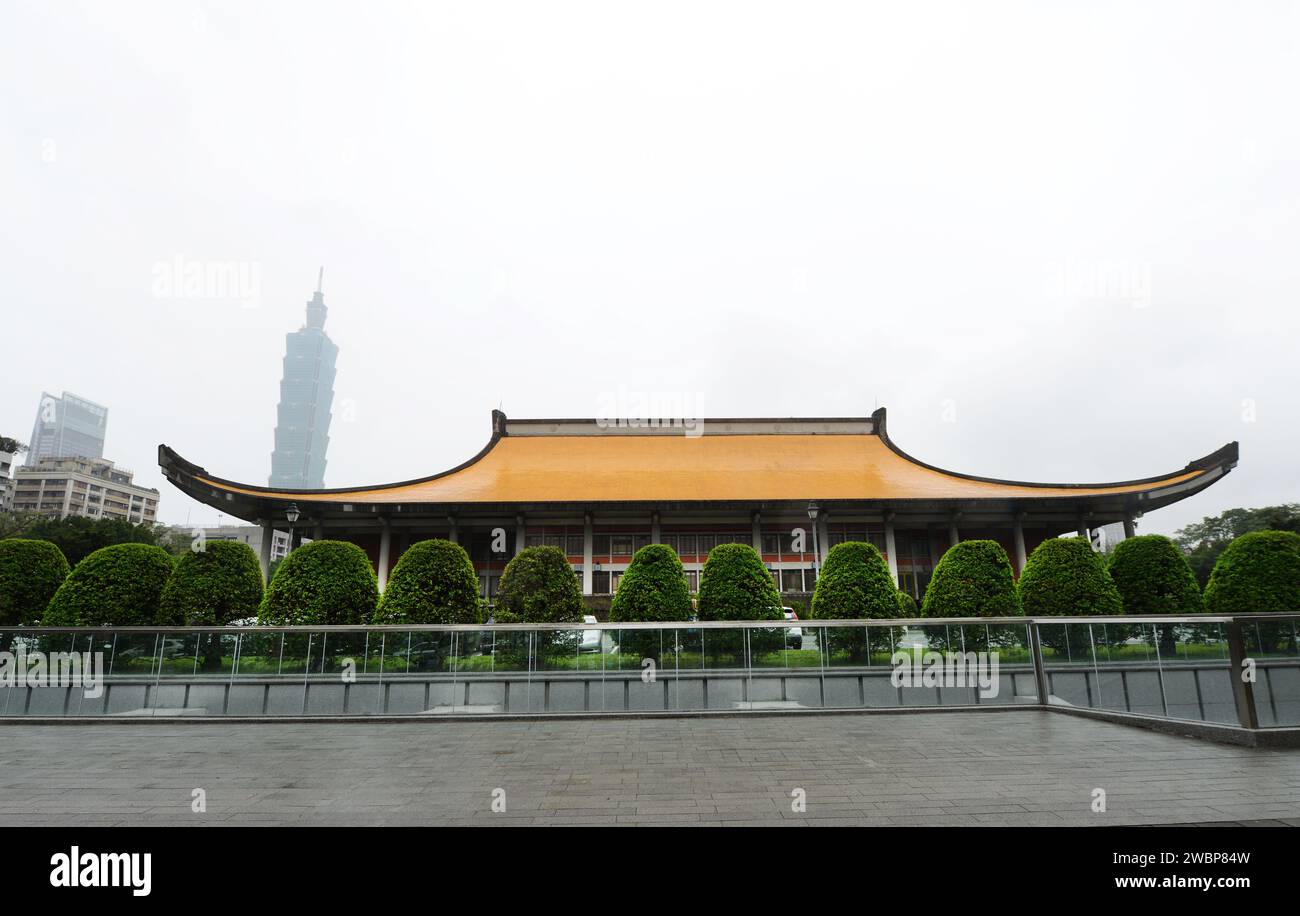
x=306 y=393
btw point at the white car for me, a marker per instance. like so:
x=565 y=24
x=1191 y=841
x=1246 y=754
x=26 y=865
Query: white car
x=590 y=638
x=795 y=633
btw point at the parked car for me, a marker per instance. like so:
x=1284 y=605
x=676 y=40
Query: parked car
x=591 y=639
x=796 y=633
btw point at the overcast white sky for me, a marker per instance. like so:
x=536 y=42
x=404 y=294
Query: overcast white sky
x=1057 y=240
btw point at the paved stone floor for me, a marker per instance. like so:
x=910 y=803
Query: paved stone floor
x=1029 y=767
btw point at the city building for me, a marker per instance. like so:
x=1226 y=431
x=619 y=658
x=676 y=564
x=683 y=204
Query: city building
x=89 y=487
x=245 y=534
x=69 y=426
x=792 y=488
x=9 y=449
x=306 y=394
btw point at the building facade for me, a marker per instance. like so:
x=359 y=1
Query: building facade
x=87 y=487
x=792 y=488
x=306 y=395
x=67 y=426
x=7 y=459
x=245 y=534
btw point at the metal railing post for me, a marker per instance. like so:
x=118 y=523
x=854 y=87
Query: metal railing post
x=1243 y=691
x=1040 y=672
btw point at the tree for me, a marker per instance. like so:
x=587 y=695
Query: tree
x=854 y=583
x=1259 y=573
x=214 y=586
x=973 y=579
x=79 y=537
x=433 y=582
x=1203 y=541
x=324 y=582
x=30 y=573
x=652 y=589
x=117 y=586
x=1064 y=577
x=1154 y=579
x=539 y=586
x=736 y=586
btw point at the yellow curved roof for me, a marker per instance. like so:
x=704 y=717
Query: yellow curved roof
x=539 y=469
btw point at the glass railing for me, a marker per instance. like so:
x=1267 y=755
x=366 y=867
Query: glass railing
x=1242 y=671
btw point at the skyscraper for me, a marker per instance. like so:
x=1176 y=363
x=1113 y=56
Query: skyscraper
x=306 y=393
x=67 y=427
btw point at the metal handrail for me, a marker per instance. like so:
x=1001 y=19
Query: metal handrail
x=677 y=625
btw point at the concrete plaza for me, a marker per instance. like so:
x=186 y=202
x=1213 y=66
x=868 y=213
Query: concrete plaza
x=1023 y=767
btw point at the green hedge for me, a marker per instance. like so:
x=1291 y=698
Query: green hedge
x=1258 y=573
x=213 y=586
x=907 y=606
x=539 y=586
x=736 y=586
x=117 y=586
x=324 y=582
x=973 y=579
x=1065 y=577
x=653 y=589
x=1153 y=577
x=433 y=582
x=854 y=583
x=31 y=572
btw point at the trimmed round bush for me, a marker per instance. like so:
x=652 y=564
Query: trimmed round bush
x=854 y=583
x=907 y=605
x=30 y=573
x=433 y=582
x=736 y=586
x=213 y=586
x=321 y=583
x=973 y=579
x=1065 y=577
x=539 y=586
x=1153 y=577
x=653 y=589
x=1258 y=573
x=118 y=586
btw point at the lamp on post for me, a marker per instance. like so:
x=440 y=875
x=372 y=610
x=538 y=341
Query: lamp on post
x=291 y=514
x=813 y=511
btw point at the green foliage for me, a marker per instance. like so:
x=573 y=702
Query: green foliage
x=653 y=589
x=79 y=537
x=1064 y=577
x=973 y=579
x=1205 y=540
x=907 y=606
x=539 y=586
x=855 y=584
x=1258 y=573
x=1153 y=577
x=30 y=573
x=736 y=586
x=324 y=582
x=433 y=582
x=213 y=586
x=119 y=586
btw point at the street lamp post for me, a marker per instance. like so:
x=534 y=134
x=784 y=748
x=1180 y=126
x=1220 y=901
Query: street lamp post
x=813 y=511
x=291 y=514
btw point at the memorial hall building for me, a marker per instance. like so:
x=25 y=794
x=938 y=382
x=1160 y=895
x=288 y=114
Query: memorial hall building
x=793 y=488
